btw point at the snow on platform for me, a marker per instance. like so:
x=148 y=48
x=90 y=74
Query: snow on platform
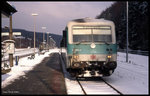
x=24 y=65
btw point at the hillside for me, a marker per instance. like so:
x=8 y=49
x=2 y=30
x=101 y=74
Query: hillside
x=30 y=34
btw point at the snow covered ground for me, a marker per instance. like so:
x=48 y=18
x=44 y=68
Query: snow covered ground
x=24 y=65
x=129 y=78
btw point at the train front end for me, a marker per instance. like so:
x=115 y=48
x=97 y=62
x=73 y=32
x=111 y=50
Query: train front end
x=91 y=48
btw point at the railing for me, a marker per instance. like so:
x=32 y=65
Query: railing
x=139 y=52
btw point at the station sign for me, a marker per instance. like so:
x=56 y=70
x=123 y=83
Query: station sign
x=14 y=33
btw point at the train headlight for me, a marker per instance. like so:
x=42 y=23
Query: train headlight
x=93 y=45
x=75 y=57
x=109 y=56
x=76 y=64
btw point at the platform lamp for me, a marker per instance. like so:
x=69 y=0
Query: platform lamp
x=34 y=14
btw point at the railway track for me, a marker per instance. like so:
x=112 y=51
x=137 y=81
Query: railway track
x=96 y=86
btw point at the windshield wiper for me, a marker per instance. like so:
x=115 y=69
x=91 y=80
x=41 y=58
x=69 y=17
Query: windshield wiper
x=106 y=43
x=103 y=42
x=82 y=42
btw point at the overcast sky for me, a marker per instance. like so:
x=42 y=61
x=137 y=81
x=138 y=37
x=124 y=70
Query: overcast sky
x=52 y=15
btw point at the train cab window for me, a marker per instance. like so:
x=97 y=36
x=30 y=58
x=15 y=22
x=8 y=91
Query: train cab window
x=82 y=38
x=102 y=38
x=92 y=33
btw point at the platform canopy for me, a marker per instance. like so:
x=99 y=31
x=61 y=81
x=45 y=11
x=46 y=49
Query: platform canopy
x=6 y=9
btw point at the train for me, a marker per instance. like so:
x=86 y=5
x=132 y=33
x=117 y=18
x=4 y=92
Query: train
x=91 y=48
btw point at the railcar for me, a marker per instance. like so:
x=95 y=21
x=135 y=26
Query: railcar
x=91 y=47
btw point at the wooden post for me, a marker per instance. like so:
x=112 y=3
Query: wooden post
x=10 y=37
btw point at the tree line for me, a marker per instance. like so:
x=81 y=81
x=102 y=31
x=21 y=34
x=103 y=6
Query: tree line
x=137 y=23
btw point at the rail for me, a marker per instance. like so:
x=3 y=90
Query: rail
x=112 y=87
x=81 y=87
x=102 y=87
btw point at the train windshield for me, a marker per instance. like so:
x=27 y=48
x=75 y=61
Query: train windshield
x=92 y=34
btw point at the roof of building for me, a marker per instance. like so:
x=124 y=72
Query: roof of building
x=7 y=9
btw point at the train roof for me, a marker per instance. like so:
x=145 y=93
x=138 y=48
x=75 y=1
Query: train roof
x=91 y=20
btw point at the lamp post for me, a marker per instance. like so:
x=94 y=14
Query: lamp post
x=43 y=36
x=127 y=35
x=43 y=33
x=34 y=14
x=30 y=41
x=47 y=39
x=49 y=42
